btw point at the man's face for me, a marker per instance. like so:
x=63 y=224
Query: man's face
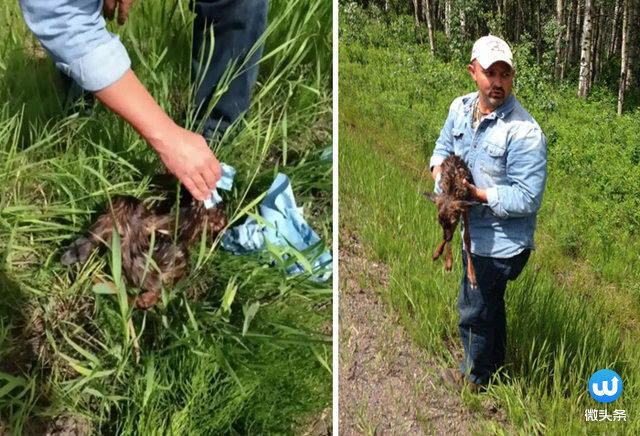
x=494 y=83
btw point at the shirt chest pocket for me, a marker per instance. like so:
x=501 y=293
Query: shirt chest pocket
x=458 y=141
x=494 y=160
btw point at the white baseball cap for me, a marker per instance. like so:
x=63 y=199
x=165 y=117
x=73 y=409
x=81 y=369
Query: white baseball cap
x=490 y=49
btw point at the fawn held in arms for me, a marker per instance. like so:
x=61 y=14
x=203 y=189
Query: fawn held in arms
x=453 y=203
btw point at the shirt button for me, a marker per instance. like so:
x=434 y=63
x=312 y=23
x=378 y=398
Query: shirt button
x=474 y=145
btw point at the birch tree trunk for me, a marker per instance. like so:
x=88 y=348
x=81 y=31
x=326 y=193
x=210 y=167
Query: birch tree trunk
x=500 y=18
x=623 y=60
x=463 y=24
x=585 y=53
x=575 y=38
x=615 y=31
x=508 y=33
x=447 y=19
x=567 y=42
x=599 y=51
x=517 y=13
x=417 y=18
x=538 y=35
x=559 y=47
x=426 y=12
x=595 y=37
x=632 y=51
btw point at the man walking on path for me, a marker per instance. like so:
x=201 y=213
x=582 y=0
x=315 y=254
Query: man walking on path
x=74 y=33
x=506 y=152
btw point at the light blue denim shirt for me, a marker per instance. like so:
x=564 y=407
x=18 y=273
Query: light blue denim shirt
x=507 y=156
x=75 y=35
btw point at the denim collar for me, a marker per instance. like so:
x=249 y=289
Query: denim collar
x=500 y=112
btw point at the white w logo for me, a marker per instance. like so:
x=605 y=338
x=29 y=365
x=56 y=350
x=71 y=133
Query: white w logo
x=605 y=390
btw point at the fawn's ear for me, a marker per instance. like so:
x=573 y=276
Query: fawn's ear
x=430 y=196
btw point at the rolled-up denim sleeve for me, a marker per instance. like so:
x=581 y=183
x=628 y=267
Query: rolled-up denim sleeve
x=75 y=35
x=527 y=175
x=444 y=143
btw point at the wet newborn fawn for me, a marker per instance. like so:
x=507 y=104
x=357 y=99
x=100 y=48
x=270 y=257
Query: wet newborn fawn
x=454 y=202
x=136 y=223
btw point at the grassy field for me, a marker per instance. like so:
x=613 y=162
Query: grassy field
x=576 y=307
x=238 y=347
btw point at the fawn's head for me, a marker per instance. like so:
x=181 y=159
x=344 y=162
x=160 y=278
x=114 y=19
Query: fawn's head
x=194 y=218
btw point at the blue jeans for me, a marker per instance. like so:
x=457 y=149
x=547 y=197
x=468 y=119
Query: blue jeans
x=483 y=321
x=237 y=25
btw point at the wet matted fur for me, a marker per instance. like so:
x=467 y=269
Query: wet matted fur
x=136 y=223
x=453 y=203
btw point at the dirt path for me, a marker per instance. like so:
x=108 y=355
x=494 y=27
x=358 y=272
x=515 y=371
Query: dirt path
x=387 y=384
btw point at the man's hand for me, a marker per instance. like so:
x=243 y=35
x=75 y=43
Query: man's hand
x=435 y=171
x=475 y=193
x=123 y=9
x=188 y=157
x=185 y=153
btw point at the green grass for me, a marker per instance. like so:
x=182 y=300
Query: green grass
x=575 y=309
x=237 y=347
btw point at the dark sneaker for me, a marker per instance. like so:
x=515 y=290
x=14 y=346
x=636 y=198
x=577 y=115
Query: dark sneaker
x=475 y=388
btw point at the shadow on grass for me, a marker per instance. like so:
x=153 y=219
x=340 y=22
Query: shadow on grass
x=18 y=362
x=16 y=353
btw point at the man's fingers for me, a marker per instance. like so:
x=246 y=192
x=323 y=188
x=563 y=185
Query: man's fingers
x=123 y=11
x=210 y=178
x=201 y=186
x=192 y=188
x=109 y=9
x=217 y=170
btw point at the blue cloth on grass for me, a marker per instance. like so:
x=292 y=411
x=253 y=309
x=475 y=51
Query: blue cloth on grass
x=327 y=154
x=225 y=183
x=288 y=229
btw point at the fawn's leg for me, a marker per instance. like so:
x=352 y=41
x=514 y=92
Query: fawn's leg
x=170 y=265
x=147 y=299
x=82 y=247
x=448 y=259
x=471 y=273
x=438 y=251
x=149 y=282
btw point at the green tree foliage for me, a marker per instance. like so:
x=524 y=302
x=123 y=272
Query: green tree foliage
x=540 y=33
